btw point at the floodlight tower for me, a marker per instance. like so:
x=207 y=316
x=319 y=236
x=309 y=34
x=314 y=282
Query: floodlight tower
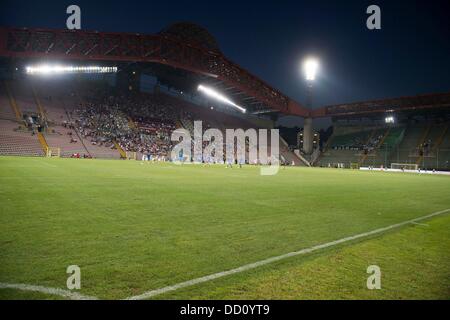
x=310 y=67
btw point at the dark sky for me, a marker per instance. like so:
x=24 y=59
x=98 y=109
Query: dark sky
x=409 y=56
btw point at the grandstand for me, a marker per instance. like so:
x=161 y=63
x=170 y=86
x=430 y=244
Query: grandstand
x=69 y=120
x=134 y=116
x=413 y=144
x=362 y=136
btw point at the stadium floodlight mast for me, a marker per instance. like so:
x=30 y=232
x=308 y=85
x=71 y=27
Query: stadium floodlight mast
x=310 y=67
x=220 y=97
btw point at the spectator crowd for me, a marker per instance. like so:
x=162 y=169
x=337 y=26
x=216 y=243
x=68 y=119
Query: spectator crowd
x=137 y=123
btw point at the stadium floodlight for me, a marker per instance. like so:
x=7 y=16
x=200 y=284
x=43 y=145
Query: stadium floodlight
x=46 y=69
x=218 y=96
x=389 y=119
x=310 y=67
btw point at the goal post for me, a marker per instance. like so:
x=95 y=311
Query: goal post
x=53 y=152
x=405 y=166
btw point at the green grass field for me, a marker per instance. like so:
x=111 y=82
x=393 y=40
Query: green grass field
x=133 y=228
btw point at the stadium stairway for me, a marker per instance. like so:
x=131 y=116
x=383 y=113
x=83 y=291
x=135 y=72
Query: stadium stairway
x=123 y=154
x=43 y=143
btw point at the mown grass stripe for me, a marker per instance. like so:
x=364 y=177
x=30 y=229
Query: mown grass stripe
x=153 y=293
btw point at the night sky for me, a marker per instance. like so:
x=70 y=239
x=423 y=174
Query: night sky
x=410 y=55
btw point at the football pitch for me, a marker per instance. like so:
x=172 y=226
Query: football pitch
x=133 y=228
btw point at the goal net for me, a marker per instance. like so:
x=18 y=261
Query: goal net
x=53 y=152
x=405 y=166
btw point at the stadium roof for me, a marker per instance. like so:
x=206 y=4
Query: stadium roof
x=192 y=33
x=185 y=54
x=183 y=46
x=420 y=102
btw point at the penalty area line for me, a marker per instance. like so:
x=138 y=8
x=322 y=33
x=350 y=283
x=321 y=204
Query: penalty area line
x=51 y=291
x=156 y=292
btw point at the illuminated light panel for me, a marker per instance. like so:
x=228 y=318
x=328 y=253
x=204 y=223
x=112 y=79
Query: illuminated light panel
x=58 y=69
x=218 y=96
x=389 y=119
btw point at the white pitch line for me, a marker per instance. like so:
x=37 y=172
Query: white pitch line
x=52 y=291
x=254 y=265
x=420 y=224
